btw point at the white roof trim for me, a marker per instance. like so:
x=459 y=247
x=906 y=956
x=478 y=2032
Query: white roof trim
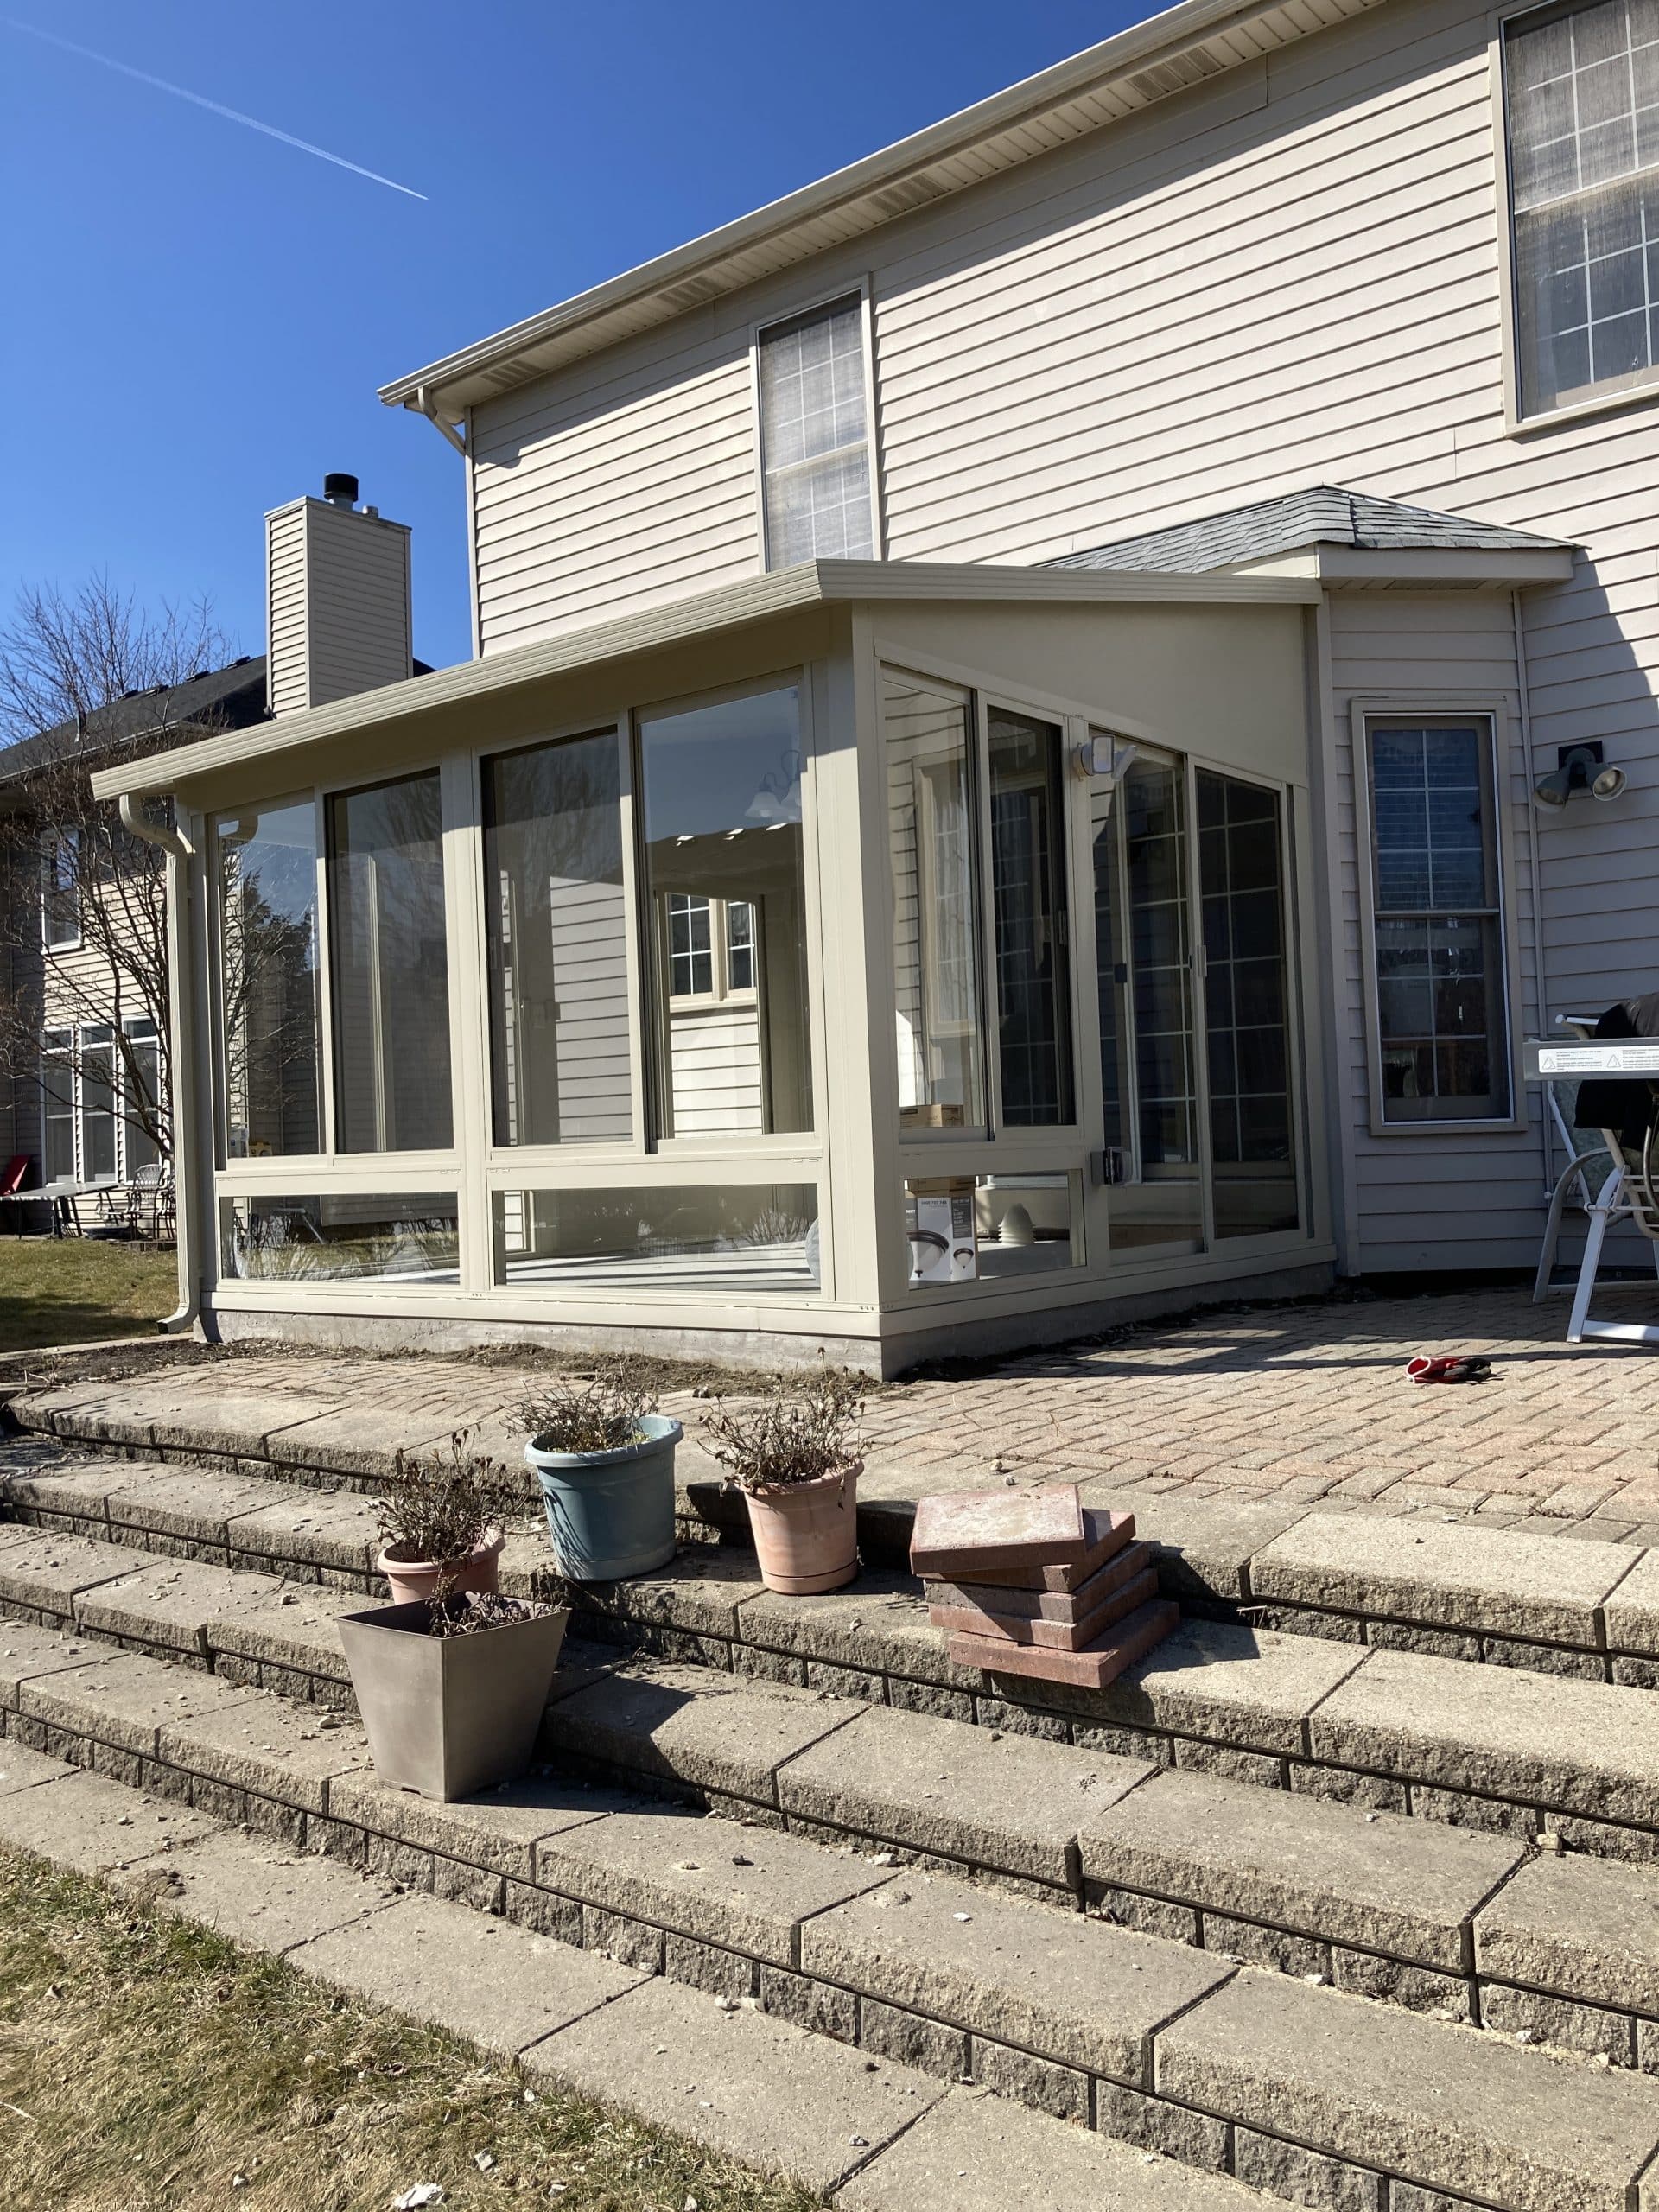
x=1150 y=61
x=1409 y=568
x=732 y=607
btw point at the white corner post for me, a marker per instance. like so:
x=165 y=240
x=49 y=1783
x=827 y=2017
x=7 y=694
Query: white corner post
x=182 y=1023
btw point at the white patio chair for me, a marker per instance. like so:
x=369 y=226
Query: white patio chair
x=1628 y=1194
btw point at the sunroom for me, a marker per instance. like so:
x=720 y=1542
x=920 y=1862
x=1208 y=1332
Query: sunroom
x=872 y=959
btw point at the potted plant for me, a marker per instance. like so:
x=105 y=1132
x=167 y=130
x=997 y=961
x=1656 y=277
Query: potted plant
x=794 y=1458
x=605 y=1465
x=441 y=1522
x=452 y=1687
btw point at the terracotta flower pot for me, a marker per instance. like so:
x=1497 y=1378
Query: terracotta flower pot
x=807 y=1534
x=413 y=1579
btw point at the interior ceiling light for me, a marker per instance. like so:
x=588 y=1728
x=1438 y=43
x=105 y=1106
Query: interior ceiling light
x=1582 y=769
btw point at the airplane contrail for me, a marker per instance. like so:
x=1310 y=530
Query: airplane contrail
x=213 y=107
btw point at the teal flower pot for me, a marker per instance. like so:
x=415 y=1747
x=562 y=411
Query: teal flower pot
x=611 y=1513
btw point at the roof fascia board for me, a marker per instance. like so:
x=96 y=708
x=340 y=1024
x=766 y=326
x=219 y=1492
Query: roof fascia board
x=1163 y=39
x=1339 y=565
x=683 y=620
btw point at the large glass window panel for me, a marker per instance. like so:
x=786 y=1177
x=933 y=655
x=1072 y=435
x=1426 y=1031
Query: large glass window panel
x=558 y=944
x=707 y=1239
x=1247 y=1020
x=815 y=447
x=58 y=1107
x=931 y=842
x=1437 y=921
x=141 y=1096
x=98 y=1156
x=271 y=1018
x=1149 y=1057
x=389 y=967
x=721 y=787
x=1034 y=988
x=411 y=1237
x=1581 y=86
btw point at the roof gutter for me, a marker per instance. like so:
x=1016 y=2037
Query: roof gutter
x=1163 y=42
x=181 y=1021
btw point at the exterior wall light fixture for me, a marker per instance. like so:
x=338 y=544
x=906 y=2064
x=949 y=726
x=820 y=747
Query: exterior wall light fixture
x=1580 y=769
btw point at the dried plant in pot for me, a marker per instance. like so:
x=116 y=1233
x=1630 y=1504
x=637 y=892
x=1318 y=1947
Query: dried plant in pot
x=605 y=1460
x=794 y=1457
x=452 y=1687
x=441 y=1521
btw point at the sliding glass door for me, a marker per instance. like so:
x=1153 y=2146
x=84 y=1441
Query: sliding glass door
x=1191 y=973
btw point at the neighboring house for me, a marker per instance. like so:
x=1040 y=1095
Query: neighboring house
x=88 y=1080
x=1054 y=678
x=84 y=1093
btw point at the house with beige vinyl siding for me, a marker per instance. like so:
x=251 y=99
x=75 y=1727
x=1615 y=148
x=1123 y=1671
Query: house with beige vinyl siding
x=999 y=785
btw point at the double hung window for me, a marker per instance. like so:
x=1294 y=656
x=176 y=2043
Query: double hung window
x=1436 y=922
x=1581 y=94
x=816 y=461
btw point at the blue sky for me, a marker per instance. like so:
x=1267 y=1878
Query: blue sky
x=196 y=316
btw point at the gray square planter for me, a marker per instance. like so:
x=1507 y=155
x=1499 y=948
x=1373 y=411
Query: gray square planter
x=448 y=1715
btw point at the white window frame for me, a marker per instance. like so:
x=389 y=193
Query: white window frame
x=66 y=1054
x=1450 y=709
x=721 y=991
x=1516 y=423
x=858 y=288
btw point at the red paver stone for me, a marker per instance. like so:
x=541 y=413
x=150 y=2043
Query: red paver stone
x=1101 y=1662
x=977 y=1533
x=1052 y=1636
x=1067 y=1606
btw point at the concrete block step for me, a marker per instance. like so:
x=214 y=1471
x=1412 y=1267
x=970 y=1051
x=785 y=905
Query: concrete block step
x=910 y=1980
x=1587 y=1606
x=1428 y=1914
x=1582 y=1758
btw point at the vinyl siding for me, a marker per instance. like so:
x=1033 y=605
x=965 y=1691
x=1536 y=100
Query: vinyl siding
x=1289 y=275
x=715 y=1058
x=337 y=604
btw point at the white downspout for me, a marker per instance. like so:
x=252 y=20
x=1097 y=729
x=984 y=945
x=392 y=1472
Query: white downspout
x=1539 y=986
x=181 y=1018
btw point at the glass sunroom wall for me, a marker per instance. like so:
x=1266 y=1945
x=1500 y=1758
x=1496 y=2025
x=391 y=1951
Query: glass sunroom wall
x=725 y=871
x=692 y=856
x=270 y=1028
x=389 y=967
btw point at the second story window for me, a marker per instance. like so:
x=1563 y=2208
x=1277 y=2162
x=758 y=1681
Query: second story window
x=815 y=438
x=1581 y=91
x=60 y=890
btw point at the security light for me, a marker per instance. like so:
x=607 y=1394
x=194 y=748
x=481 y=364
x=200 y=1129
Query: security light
x=1581 y=769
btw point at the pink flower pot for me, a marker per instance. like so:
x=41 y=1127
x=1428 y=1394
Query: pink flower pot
x=807 y=1534
x=414 y=1578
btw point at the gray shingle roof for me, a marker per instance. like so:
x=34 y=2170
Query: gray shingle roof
x=1324 y=515
x=231 y=697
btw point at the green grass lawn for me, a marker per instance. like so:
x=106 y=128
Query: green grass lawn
x=75 y=1289
x=149 y=2066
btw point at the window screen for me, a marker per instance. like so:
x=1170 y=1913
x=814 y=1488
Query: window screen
x=1582 y=94
x=815 y=448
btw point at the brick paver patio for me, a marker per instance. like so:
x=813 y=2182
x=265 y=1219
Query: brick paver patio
x=1291 y=1404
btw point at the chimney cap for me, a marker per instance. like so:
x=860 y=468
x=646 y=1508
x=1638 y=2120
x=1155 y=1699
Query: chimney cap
x=340 y=488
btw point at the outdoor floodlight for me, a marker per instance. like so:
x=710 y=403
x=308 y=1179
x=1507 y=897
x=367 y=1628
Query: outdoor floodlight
x=1582 y=769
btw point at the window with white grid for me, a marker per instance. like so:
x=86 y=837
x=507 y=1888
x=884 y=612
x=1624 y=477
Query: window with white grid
x=815 y=442
x=1581 y=87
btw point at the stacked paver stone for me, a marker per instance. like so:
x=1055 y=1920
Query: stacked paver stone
x=1029 y=1583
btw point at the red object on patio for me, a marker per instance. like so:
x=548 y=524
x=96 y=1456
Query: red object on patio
x=12 y=1181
